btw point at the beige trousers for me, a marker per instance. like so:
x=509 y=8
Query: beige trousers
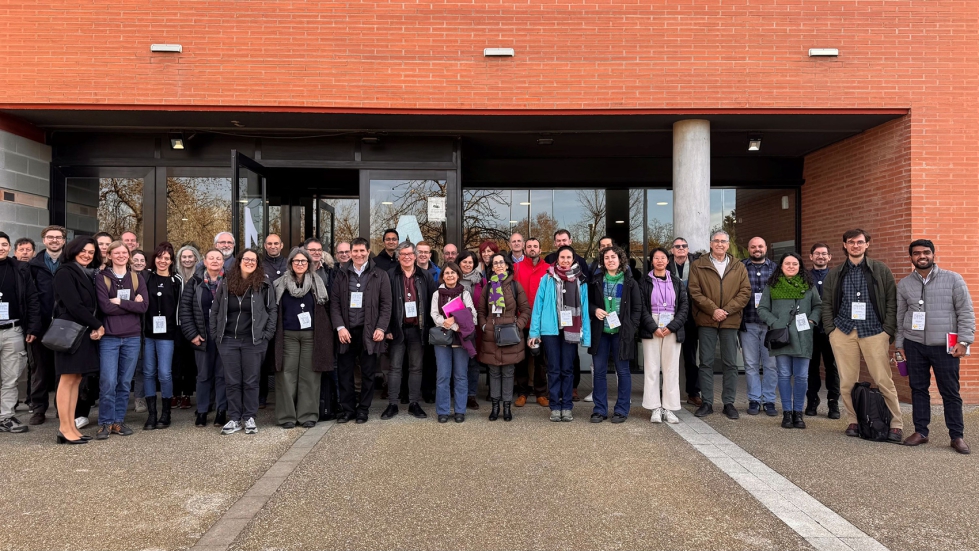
x=847 y=349
x=661 y=355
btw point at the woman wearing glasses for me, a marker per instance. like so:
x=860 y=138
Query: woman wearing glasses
x=242 y=322
x=303 y=342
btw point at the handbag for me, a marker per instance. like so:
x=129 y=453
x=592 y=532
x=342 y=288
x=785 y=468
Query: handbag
x=506 y=334
x=63 y=336
x=779 y=338
x=438 y=336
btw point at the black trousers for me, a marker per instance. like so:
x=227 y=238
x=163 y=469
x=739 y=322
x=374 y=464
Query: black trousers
x=521 y=374
x=922 y=360
x=346 y=363
x=691 y=371
x=42 y=376
x=329 y=401
x=267 y=372
x=184 y=368
x=821 y=349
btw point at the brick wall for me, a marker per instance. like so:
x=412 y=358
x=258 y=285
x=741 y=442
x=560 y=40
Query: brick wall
x=24 y=186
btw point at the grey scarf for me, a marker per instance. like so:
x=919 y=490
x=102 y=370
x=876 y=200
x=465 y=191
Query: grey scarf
x=311 y=282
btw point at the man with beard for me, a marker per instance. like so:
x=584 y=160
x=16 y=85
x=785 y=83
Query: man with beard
x=820 y=256
x=759 y=367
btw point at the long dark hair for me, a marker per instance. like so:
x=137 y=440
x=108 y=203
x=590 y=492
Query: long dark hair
x=777 y=272
x=239 y=285
x=76 y=246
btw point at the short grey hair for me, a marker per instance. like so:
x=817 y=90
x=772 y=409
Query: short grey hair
x=404 y=245
x=719 y=232
x=220 y=233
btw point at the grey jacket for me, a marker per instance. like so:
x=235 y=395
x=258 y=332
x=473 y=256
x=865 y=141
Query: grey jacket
x=947 y=307
x=264 y=313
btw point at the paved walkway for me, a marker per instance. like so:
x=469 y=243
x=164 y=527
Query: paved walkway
x=528 y=484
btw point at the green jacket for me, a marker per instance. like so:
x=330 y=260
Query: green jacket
x=883 y=295
x=781 y=313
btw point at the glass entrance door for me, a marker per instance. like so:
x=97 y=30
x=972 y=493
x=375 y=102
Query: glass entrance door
x=326 y=217
x=250 y=215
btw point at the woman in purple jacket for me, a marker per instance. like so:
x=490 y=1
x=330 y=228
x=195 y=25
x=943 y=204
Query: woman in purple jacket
x=123 y=299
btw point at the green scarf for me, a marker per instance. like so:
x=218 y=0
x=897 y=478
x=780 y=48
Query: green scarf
x=612 y=290
x=791 y=288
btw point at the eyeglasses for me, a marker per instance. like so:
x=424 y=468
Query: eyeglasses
x=407 y=254
x=299 y=262
x=225 y=242
x=249 y=261
x=499 y=263
x=680 y=246
x=314 y=250
x=54 y=238
x=342 y=252
x=857 y=243
x=719 y=241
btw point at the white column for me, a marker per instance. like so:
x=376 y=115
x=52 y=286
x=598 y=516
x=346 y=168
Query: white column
x=691 y=182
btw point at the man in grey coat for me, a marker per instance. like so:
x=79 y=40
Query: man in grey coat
x=931 y=303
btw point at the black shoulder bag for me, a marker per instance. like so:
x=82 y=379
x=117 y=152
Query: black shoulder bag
x=779 y=338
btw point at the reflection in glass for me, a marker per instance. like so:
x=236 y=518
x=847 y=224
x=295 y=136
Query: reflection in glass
x=197 y=209
x=404 y=206
x=251 y=209
x=346 y=224
x=747 y=213
x=121 y=206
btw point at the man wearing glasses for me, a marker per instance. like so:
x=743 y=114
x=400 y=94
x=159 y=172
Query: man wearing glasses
x=225 y=242
x=680 y=267
x=42 y=268
x=719 y=289
x=343 y=253
x=860 y=317
x=820 y=256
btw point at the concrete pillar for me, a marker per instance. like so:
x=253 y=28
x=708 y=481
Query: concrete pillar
x=691 y=182
x=24 y=182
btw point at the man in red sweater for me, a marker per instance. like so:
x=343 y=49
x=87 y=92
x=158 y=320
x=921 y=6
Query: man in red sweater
x=528 y=273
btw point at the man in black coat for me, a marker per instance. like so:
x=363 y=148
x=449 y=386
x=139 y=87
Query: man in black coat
x=42 y=268
x=679 y=268
x=19 y=325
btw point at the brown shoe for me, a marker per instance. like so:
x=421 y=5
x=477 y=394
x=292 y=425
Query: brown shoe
x=175 y=402
x=543 y=401
x=185 y=402
x=471 y=403
x=852 y=430
x=574 y=395
x=960 y=446
x=520 y=401
x=916 y=439
x=694 y=400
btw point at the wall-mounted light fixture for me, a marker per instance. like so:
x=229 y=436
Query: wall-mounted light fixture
x=371 y=140
x=176 y=140
x=620 y=221
x=824 y=52
x=545 y=141
x=167 y=48
x=497 y=52
x=754 y=142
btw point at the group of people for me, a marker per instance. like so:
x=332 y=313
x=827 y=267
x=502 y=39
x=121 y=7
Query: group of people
x=331 y=331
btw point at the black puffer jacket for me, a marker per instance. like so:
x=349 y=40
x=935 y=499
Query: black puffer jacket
x=630 y=314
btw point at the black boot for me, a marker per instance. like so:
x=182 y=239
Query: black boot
x=811 y=406
x=165 y=414
x=797 y=420
x=151 y=413
x=221 y=418
x=495 y=412
x=834 y=409
x=786 y=419
x=507 y=416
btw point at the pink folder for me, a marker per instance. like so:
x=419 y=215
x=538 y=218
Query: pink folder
x=453 y=305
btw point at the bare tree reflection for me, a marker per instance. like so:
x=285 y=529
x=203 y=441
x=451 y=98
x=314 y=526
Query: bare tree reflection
x=121 y=205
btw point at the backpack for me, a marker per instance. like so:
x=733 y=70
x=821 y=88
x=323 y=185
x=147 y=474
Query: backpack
x=108 y=282
x=873 y=417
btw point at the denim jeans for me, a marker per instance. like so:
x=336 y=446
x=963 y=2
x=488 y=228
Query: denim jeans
x=158 y=358
x=792 y=392
x=607 y=343
x=761 y=387
x=473 y=377
x=118 y=357
x=560 y=370
x=452 y=363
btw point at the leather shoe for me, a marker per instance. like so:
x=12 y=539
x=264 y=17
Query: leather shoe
x=520 y=401
x=471 y=403
x=704 y=410
x=543 y=401
x=574 y=395
x=694 y=400
x=915 y=439
x=417 y=411
x=389 y=412
x=361 y=418
x=960 y=446
x=36 y=419
x=895 y=435
x=731 y=411
x=853 y=430
x=343 y=418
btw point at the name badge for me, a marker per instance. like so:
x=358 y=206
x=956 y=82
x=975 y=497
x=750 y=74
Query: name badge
x=613 y=320
x=917 y=321
x=565 y=318
x=305 y=320
x=757 y=299
x=357 y=299
x=858 y=310
x=497 y=309
x=802 y=322
x=122 y=294
x=4 y=310
x=411 y=309
x=159 y=324
x=664 y=319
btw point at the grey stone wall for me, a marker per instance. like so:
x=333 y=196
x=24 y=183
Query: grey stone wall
x=24 y=171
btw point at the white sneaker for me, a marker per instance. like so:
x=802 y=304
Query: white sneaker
x=140 y=405
x=81 y=422
x=657 y=416
x=231 y=427
x=590 y=397
x=670 y=417
x=250 y=426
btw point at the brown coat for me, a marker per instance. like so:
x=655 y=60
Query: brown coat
x=489 y=353
x=709 y=291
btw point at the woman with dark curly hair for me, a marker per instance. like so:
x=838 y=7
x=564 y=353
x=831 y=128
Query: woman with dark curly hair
x=242 y=323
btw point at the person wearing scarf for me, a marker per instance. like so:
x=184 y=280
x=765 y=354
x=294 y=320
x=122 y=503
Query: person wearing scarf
x=195 y=314
x=665 y=311
x=472 y=279
x=303 y=341
x=790 y=299
x=453 y=361
x=556 y=323
x=615 y=312
x=184 y=368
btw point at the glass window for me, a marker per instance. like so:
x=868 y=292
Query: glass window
x=114 y=205
x=746 y=213
x=197 y=209
x=345 y=221
x=405 y=205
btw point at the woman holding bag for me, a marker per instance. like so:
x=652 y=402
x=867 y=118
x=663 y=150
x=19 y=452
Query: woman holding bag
x=452 y=359
x=790 y=300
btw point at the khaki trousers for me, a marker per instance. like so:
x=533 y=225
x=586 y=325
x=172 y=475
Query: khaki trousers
x=847 y=349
